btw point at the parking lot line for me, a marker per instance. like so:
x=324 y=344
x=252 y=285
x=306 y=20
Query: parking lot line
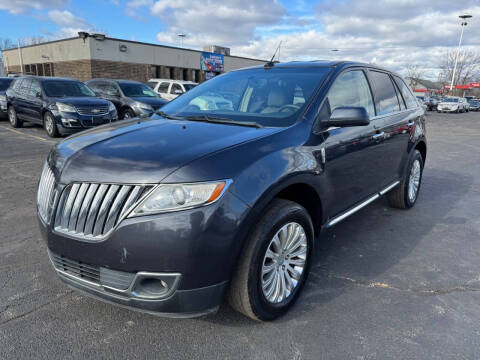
x=29 y=135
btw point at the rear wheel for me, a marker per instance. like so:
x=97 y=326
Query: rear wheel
x=13 y=119
x=405 y=195
x=50 y=125
x=274 y=264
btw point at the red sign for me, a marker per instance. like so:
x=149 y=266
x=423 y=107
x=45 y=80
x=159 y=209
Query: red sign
x=461 y=86
x=447 y=86
x=475 y=84
x=420 y=90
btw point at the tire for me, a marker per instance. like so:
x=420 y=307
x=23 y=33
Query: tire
x=246 y=293
x=13 y=119
x=49 y=125
x=400 y=197
x=127 y=114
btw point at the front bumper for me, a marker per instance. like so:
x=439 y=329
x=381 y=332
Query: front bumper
x=82 y=122
x=444 y=109
x=199 y=247
x=3 y=109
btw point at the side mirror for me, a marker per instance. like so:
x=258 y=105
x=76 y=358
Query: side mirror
x=348 y=116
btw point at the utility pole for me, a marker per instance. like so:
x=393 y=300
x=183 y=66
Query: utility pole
x=20 y=56
x=463 y=24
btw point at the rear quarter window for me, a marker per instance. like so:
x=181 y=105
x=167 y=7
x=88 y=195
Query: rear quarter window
x=406 y=93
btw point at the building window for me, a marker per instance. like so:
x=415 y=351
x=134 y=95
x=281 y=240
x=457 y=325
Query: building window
x=40 y=69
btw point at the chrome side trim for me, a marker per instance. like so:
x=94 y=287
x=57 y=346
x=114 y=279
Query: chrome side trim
x=388 y=188
x=356 y=208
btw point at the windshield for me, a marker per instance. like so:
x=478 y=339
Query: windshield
x=63 y=88
x=189 y=86
x=269 y=97
x=450 y=100
x=137 y=90
x=4 y=84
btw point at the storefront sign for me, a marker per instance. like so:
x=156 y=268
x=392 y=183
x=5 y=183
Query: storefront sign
x=211 y=62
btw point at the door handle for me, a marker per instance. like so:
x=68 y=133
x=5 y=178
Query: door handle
x=378 y=136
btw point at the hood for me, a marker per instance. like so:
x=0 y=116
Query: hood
x=448 y=103
x=152 y=101
x=80 y=100
x=143 y=150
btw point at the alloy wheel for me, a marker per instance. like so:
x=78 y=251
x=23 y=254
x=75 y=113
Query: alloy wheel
x=414 y=181
x=11 y=116
x=284 y=262
x=49 y=124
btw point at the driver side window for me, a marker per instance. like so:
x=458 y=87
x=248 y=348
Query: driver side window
x=351 y=89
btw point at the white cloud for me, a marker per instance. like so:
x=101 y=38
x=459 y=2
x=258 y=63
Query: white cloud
x=66 y=19
x=21 y=6
x=229 y=22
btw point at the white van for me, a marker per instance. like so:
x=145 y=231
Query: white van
x=170 y=89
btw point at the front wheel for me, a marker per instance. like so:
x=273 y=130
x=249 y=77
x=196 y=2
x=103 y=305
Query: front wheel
x=50 y=125
x=127 y=114
x=275 y=262
x=13 y=119
x=405 y=195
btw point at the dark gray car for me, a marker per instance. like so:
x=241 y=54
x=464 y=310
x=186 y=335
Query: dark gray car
x=224 y=191
x=131 y=98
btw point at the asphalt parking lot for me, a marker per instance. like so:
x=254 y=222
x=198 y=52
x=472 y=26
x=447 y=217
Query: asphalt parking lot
x=385 y=283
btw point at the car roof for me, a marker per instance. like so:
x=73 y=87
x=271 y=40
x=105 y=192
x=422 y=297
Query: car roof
x=45 y=78
x=172 y=80
x=118 y=81
x=321 y=64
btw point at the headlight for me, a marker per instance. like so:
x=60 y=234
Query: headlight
x=65 y=108
x=111 y=107
x=174 y=197
x=143 y=106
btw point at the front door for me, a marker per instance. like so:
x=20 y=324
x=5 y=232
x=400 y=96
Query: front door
x=351 y=167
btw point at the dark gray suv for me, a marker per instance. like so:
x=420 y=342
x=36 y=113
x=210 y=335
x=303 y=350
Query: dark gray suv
x=224 y=191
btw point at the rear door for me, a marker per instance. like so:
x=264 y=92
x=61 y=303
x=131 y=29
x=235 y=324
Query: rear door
x=34 y=102
x=393 y=120
x=21 y=106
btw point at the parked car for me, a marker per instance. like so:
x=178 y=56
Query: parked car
x=431 y=103
x=172 y=213
x=131 y=98
x=4 y=84
x=474 y=105
x=453 y=104
x=170 y=89
x=63 y=106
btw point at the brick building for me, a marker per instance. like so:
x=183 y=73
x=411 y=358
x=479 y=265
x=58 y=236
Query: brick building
x=92 y=56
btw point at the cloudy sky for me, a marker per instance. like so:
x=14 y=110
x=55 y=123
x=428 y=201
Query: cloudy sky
x=392 y=33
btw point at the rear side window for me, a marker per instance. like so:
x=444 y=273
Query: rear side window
x=17 y=85
x=35 y=88
x=152 y=84
x=25 y=87
x=175 y=87
x=163 y=88
x=351 y=89
x=385 y=96
x=407 y=95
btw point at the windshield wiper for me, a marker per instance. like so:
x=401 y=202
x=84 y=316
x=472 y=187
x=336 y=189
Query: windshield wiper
x=220 y=120
x=167 y=116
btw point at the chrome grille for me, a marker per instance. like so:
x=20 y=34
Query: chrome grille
x=45 y=192
x=119 y=280
x=91 y=211
x=92 y=110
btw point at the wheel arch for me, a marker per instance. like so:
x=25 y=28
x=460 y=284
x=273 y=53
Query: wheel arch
x=421 y=146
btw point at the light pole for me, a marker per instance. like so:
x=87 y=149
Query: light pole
x=463 y=24
x=181 y=36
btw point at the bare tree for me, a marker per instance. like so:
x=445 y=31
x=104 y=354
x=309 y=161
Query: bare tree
x=32 y=40
x=468 y=67
x=6 y=43
x=414 y=73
